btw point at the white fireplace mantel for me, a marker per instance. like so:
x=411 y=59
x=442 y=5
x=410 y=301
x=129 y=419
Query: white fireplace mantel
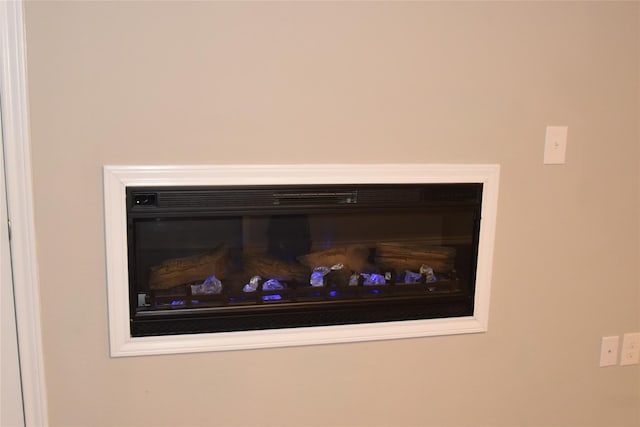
x=118 y=178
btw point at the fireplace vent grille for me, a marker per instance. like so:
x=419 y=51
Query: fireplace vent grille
x=247 y=198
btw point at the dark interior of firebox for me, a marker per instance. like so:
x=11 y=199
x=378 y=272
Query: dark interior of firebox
x=259 y=258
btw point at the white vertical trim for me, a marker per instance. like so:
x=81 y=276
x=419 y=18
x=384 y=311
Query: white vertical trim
x=13 y=89
x=11 y=405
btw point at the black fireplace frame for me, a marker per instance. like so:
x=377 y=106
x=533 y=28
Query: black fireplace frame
x=365 y=304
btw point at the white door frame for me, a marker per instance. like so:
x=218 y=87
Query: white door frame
x=11 y=407
x=13 y=88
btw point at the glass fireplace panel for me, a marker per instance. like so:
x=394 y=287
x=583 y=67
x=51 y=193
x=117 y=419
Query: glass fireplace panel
x=244 y=258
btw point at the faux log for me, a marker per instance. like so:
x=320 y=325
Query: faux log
x=268 y=267
x=196 y=268
x=353 y=257
x=406 y=256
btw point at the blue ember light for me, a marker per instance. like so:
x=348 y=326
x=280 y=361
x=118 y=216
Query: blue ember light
x=272 y=297
x=376 y=291
x=333 y=293
x=177 y=302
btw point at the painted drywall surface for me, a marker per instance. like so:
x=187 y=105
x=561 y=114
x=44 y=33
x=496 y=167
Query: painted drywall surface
x=192 y=83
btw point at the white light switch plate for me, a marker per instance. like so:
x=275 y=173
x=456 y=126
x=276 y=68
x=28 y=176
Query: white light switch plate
x=609 y=351
x=555 y=145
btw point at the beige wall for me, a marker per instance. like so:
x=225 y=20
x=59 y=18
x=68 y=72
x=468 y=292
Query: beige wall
x=243 y=82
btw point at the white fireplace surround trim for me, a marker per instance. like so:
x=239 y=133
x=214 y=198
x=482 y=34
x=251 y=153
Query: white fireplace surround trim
x=118 y=178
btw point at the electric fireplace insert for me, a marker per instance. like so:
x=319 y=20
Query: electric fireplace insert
x=226 y=258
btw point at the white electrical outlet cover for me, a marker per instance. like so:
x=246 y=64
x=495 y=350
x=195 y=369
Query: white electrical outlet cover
x=630 y=349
